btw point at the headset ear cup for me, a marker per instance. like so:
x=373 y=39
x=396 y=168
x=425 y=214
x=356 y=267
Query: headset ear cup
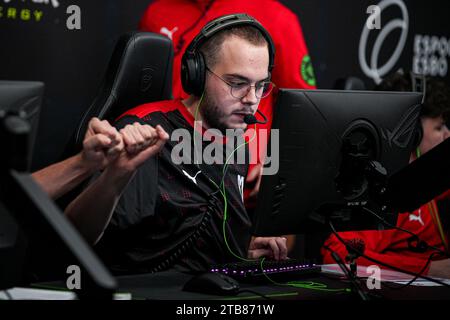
x=200 y=76
x=188 y=74
x=193 y=74
x=185 y=79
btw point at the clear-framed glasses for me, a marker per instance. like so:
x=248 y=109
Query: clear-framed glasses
x=240 y=89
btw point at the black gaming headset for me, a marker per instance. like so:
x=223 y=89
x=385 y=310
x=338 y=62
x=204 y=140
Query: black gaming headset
x=193 y=67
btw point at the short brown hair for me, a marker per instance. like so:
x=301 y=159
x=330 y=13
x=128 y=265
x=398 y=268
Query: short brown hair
x=211 y=48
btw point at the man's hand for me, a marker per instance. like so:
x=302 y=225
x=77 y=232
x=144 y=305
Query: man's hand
x=271 y=247
x=102 y=144
x=440 y=269
x=141 y=143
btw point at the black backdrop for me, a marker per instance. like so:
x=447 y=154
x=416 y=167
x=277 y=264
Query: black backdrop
x=35 y=44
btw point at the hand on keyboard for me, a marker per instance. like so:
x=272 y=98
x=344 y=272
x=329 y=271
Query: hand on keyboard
x=271 y=247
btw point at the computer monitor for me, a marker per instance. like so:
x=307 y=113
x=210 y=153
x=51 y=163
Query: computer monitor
x=336 y=151
x=24 y=202
x=23 y=99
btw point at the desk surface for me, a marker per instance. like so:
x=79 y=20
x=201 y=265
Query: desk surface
x=168 y=286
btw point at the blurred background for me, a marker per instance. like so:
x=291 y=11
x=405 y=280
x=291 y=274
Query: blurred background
x=35 y=44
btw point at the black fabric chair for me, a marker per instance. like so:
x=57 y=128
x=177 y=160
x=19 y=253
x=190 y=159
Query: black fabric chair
x=140 y=71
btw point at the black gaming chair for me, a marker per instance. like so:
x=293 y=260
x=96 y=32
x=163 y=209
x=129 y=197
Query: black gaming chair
x=140 y=71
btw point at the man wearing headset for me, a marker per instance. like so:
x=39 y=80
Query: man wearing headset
x=181 y=20
x=393 y=246
x=189 y=215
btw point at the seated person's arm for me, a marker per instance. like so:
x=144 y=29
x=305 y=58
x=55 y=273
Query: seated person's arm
x=91 y=211
x=412 y=263
x=440 y=269
x=101 y=142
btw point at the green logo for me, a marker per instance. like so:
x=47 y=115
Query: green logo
x=307 y=71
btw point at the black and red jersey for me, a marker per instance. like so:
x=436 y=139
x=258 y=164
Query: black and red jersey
x=171 y=215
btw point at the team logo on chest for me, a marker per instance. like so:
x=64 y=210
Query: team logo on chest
x=193 y=178
x=240 y=183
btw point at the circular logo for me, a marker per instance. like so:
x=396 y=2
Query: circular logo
x=307 y=71
x=375 y=71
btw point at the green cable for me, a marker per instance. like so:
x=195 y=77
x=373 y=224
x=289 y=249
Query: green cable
x=234 y=151
x=222 y=191
x=195 y=120
x=304 y=285
x=224 y=195
x=198 y=106
x=221 y=188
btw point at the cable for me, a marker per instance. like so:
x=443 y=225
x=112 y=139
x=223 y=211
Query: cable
x=221 y=186
x=354 y=280
x=416 y=277
x=222 y=190
x=382 y=263
x=296 y=284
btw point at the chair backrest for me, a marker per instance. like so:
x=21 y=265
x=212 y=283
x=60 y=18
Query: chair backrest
x=140 y=71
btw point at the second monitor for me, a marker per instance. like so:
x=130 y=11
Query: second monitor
x=337 y=148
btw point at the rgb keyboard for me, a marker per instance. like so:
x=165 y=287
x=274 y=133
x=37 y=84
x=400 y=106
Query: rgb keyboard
x=282 y=270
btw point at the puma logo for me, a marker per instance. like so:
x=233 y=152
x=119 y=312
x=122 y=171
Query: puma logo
x=413 y=217
x=194 y=178
x=168 y=33
x=240 y=182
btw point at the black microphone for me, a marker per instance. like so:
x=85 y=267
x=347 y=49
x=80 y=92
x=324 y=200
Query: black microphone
x=251 y=119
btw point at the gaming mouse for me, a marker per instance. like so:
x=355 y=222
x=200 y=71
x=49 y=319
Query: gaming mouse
x=212 y=283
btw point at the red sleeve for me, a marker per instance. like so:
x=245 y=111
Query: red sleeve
x=444 y=196
x=411 y=264
x=293 y=66
x=150 y=20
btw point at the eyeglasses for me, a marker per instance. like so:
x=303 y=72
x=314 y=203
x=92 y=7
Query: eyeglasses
x=241 y=89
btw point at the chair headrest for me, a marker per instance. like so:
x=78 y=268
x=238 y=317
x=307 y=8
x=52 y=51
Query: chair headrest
x=140 y=71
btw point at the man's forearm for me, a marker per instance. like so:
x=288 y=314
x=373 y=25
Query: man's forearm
x=91 y=211
x=62 y=177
